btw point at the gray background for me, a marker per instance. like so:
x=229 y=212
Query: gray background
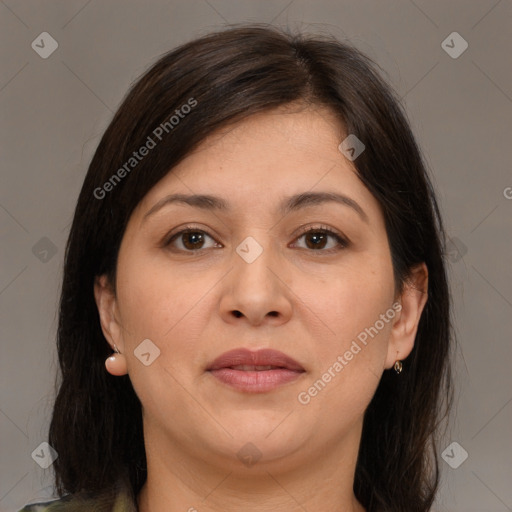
x=54 y=111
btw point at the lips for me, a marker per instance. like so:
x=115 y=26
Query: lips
x=255 y=372
x=261 y=360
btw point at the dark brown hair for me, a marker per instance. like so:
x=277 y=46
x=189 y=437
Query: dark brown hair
x=96 y=426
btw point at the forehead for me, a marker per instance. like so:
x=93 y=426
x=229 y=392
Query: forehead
x=313 y=131
x=266 y=157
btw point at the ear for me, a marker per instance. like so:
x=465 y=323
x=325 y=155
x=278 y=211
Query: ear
x=405 y=325
x=107 y=309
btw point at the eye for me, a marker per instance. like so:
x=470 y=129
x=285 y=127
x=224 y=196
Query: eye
x=191 y=239
x=316 y=239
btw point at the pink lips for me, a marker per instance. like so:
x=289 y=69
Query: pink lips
x=255 y=372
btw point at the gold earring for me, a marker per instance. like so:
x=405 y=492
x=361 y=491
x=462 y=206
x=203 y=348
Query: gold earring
x=398 y=366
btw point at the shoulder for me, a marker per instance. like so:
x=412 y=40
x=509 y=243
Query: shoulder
x=46 y=506
x=120 y=501
x=66 y=505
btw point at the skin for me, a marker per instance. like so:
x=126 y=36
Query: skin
x=305 y=301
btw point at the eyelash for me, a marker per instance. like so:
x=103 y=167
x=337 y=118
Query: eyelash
x=342 y=242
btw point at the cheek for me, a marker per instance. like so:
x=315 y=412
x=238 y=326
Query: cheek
x=164 y=307
x=155 y=297
x=349 y=299
x=352 y=339
x=350 y=364
x=168 y=308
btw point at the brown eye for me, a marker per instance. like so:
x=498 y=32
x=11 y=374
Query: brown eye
x=192 y=239
x=318 y=239
x=189 y=240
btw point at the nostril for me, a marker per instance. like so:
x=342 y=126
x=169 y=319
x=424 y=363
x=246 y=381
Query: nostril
x=237 y=313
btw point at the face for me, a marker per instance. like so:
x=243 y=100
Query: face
x=312 y=279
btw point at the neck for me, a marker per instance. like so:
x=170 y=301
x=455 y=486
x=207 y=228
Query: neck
x=312 y=480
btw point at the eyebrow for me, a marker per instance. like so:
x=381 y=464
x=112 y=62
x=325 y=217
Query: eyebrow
x=289 y=204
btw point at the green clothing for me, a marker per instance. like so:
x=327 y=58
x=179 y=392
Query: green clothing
x=118 y=500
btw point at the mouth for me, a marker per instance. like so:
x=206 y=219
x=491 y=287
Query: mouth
x=253 y=368
x=255 y=372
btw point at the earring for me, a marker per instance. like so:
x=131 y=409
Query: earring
x=398 y=366
x=116 y=363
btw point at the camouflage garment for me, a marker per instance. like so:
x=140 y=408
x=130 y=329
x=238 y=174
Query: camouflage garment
x=116 y=500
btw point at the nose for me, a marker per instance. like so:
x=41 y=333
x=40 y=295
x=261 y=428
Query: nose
x=255 y=290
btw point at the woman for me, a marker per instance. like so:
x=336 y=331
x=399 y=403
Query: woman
x=255 y=313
